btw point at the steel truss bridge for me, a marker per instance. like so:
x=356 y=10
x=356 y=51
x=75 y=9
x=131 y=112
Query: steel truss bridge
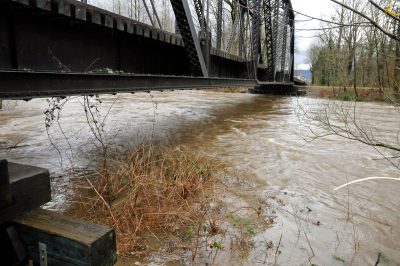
x=66 y=47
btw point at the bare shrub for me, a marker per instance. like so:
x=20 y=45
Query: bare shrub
x=160 y=190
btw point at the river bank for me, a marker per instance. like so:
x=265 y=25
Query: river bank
x=364 y=93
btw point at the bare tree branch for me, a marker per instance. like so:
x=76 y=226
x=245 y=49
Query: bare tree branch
x=383 y=10
x=373 y=22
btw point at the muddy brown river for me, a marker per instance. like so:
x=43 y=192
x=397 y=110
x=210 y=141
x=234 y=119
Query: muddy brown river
x=260 y=138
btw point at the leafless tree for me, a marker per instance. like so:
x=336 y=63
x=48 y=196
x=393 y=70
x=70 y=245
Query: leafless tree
x=358 y=46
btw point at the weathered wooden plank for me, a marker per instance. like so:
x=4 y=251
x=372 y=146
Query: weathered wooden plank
x=9 y=253
x=68 y=241
x=16 y=243
x=5 y=187
x=30 y=188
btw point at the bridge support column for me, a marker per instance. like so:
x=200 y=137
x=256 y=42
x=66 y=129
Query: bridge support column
x=269 y=40
x=277 y=89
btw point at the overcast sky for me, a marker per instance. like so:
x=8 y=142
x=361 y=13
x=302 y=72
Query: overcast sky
x=315 y=8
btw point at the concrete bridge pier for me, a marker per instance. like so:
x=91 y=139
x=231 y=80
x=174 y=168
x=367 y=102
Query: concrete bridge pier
x=276 y=89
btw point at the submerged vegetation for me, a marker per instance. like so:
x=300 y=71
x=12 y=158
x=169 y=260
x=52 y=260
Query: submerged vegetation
x=171 y=196
x=150 y=189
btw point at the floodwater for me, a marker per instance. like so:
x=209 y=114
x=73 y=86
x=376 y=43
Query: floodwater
x=260 y=138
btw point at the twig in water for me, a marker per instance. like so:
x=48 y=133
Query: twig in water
x=277 y=248
x=308 y=241
x=348 y=200
x=15 y=146
x=198 y=235
x=379 y=259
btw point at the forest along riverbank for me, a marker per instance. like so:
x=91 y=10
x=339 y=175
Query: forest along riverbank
x=274 y=202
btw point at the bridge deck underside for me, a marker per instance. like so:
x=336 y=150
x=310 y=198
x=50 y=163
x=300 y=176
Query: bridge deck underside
x=26 y=84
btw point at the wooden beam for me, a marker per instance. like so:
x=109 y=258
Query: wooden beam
x=29 y=186
x=68 y=241
x=5 y=188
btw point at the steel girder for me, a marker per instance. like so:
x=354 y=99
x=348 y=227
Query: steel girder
x=187 y=29
x=285 y=25
x=292 y=33
x=276 y=21
x=230 y=38
x=148 y=12
x=256 y=26
x=198 y=7
x=269 y=42
x=278 y=26
x=29 y=84
x=242 y=47
x=219 y=24
x=155 y=13
x=291 y=73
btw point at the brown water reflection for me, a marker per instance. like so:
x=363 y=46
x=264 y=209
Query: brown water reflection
x=259 y=137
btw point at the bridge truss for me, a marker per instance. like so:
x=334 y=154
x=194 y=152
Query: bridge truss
x=66 y=47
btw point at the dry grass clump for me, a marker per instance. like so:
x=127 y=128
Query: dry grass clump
x=148 y=190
